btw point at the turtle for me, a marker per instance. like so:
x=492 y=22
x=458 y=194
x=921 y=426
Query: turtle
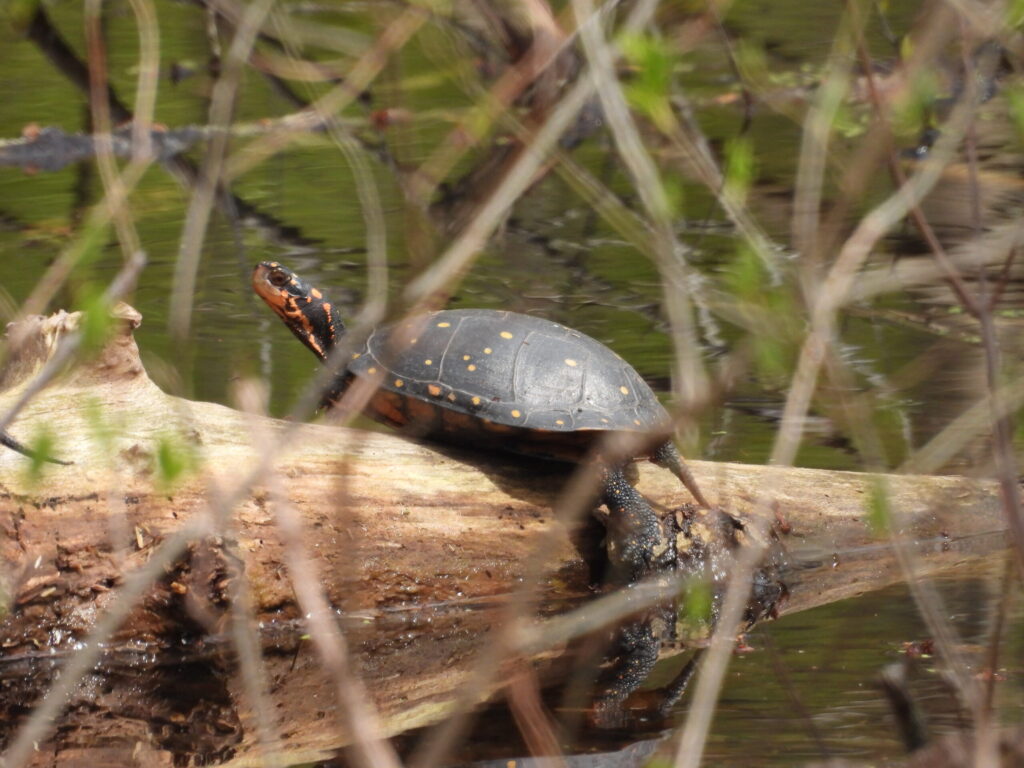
x=501 y=381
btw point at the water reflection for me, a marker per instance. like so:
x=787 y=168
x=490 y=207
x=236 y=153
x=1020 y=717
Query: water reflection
x=808 y=690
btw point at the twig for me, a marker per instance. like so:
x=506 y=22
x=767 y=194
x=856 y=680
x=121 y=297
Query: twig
x=201 y=203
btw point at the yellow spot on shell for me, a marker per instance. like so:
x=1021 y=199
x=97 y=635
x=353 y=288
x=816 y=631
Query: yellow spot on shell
x=371 y=371
x=413 y=341
x=444 y=325
x=570 y=362
x=356 y=355
x=470 y=367
x=604 y=421
x=559 y=422
x=434 y=390
x=476 y=401
x=506 y=335
x=465 y=357
x=451 y=396
x=399 y=383
x=637 y=422
x=516 y=414
x=428 y=362
x=487 y=350
x=624 y=390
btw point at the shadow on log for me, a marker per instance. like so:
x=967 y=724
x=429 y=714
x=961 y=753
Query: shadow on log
x=415 y=546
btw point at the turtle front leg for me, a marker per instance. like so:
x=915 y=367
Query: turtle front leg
x=636 y=546
x=667 y=456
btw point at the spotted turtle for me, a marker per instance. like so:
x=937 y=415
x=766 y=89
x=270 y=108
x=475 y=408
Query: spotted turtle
x=500 y=380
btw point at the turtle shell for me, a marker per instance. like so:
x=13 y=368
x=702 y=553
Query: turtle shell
x=460 y=372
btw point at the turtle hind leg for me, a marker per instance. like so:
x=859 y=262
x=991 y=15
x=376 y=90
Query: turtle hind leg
x=620 y=702
x=636 y=547
x=668 y=457
x=634 y=660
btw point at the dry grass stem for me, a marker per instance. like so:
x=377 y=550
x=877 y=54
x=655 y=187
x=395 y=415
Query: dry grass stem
x=100 y=106
x=370 y=748
x=700 y=713
x=690 y=380
x=201 y=204
x=430 y=288
x=835 y=287
x=363 y=72
x=149 y=77
x=357 y=712
x=534 y=723
x=250 y=397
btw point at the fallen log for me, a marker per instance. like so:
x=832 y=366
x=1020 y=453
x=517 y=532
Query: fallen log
x=414 y=546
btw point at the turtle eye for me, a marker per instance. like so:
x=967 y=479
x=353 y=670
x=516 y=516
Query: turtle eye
x=279 y=278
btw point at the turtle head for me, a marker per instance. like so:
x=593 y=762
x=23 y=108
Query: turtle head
x=304 y=309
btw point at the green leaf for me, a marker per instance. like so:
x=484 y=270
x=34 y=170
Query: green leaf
x=913 y=113
x=771 y=358
x=1015 y=14
x=173 y=460
x=746 y=277
x=675 y=196
x=1015 y=97
x=739 y=167
x=879 y=517
x=100 y=428
x=41 y=447
x=697 y=604
x=652 y=62
x=97 y=324
x=849 y=123
x=752 y=61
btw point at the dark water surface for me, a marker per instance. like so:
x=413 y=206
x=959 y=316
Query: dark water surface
x=808 y=687
x=811 y=689
x=808 y=691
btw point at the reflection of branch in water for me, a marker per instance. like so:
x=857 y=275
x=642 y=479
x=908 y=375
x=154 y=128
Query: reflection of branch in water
x=52 y=149
x=42 y=32
x=532 y=62
x=633 y=755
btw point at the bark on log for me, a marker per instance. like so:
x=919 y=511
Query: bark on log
x=412 y=544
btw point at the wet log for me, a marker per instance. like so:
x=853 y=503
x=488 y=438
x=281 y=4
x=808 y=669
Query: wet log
x=414 y=545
